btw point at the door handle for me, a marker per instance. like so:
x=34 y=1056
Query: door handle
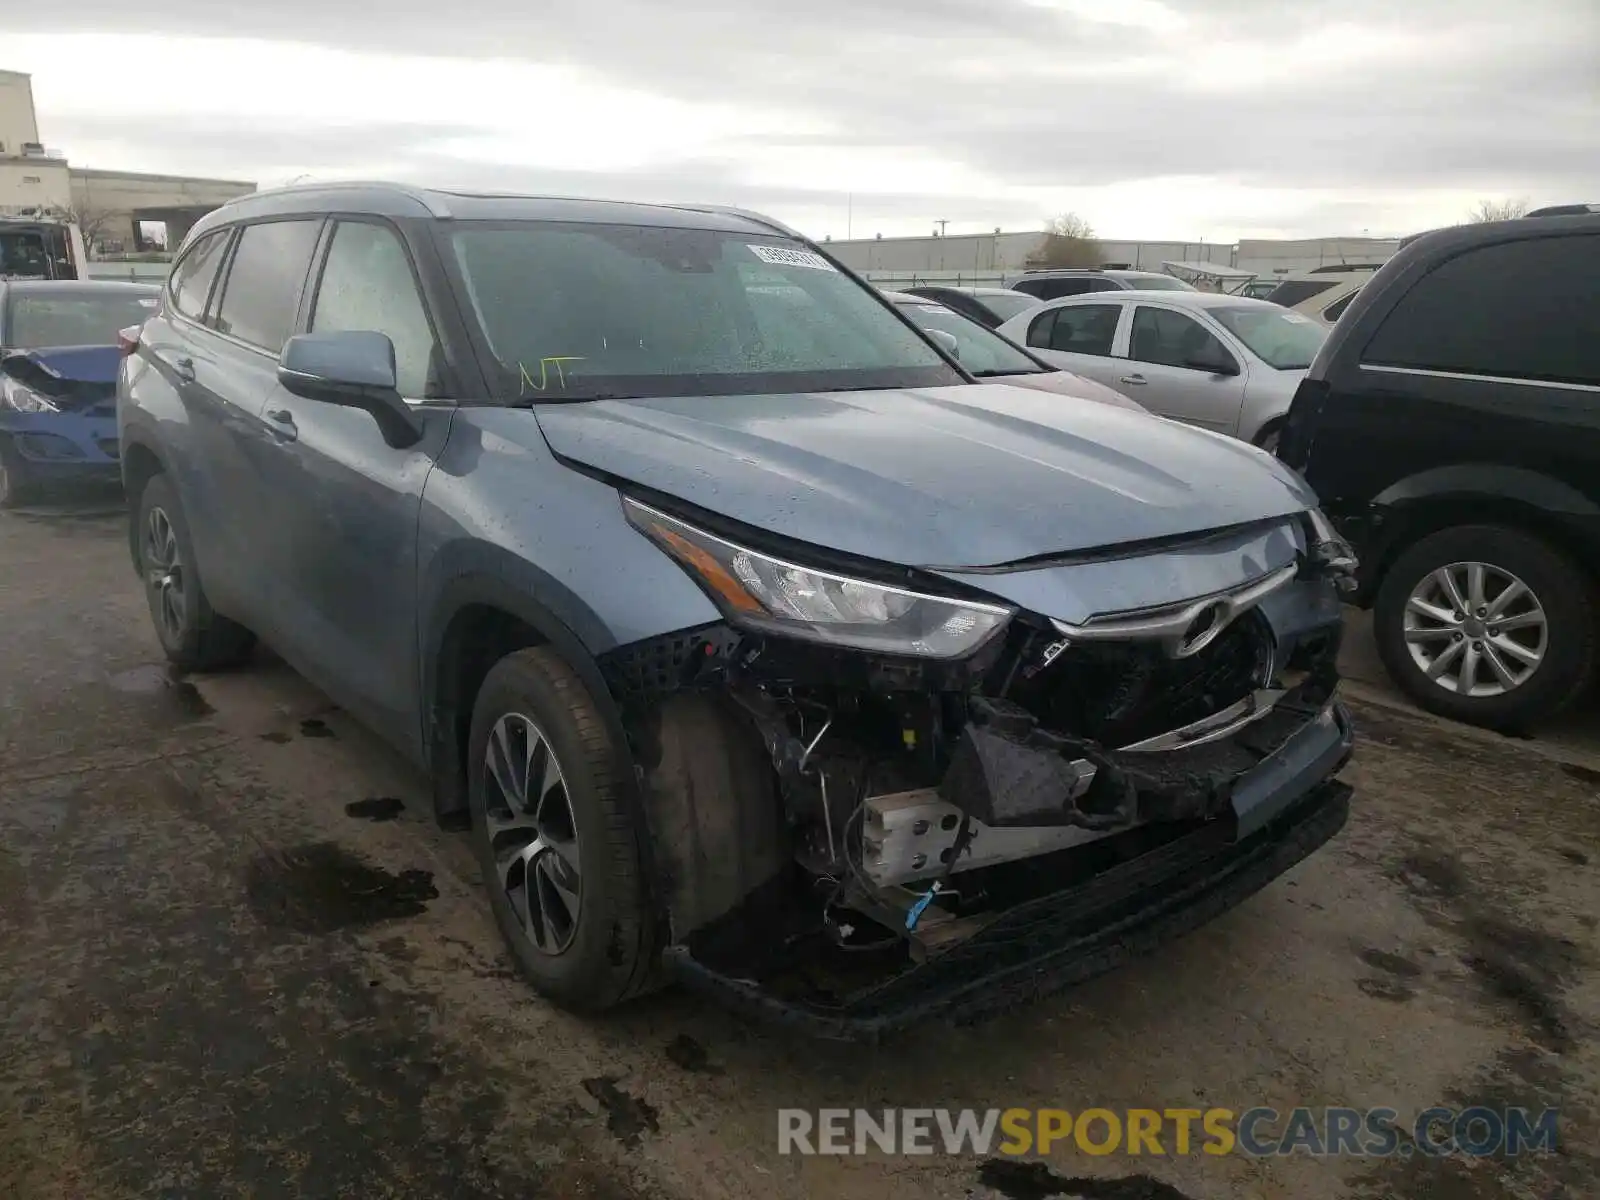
x=183 y=368
x=283 y=427
x=1134 y=379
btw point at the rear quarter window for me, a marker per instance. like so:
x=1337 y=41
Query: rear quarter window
x=1525 y=309
x=1293 y=291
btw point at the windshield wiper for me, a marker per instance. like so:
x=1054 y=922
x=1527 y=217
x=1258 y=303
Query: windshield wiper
x=1001 y=374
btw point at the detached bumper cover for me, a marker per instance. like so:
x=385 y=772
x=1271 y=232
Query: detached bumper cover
x=1282 y=809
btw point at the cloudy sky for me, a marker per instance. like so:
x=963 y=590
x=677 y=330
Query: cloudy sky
x=1186 y=119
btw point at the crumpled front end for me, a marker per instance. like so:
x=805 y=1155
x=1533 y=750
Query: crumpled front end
x=853 y=841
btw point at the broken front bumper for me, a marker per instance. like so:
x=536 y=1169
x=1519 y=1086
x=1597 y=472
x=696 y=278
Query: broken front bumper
x=1281 y=810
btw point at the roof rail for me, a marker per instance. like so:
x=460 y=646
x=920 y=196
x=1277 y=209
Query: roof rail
x=1564 y=210
x=728 y=210
x=418 y=195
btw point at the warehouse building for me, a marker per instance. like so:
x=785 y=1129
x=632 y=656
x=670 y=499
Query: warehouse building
x=115 y=209
x=986 y=258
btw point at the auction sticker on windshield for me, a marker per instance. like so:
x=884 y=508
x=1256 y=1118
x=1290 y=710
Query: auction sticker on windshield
x=782 y=256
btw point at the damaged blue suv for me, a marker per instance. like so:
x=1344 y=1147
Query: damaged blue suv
x=759 y=646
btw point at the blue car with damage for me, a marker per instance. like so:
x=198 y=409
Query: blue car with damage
x=59 y=354
x=757 y=645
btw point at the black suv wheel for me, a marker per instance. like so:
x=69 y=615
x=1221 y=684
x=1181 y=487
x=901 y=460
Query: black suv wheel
x=194 y=636
x=555 y=840
x=1487 y=625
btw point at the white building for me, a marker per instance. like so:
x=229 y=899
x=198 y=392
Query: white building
x=109 y=205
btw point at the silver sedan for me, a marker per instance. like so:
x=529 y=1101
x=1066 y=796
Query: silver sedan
x=1222 y=362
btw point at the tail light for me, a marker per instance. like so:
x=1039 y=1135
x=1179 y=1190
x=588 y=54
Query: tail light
x=128 y=340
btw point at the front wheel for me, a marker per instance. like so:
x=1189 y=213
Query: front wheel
x=1488 y=625
x=556 y=842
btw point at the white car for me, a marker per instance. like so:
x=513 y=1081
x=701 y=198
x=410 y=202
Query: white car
x=1226 y=363
x=993 y=359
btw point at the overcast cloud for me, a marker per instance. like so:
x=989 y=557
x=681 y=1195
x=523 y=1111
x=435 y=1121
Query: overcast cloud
x=1152 y=118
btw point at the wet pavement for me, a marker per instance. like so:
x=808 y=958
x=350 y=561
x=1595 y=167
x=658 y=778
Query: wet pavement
x=238 y=959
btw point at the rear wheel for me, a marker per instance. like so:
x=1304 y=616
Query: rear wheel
x=556 y=843
x=13 y=489
x=1487 y=625
x=194 y=636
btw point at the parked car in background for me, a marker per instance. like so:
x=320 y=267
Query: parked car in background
x=1259 y=289
x=1222 y=362
x=1322 y=293
x=1451 y=425
x=766 y=651
x=988 y=306
x=1054 y=283
x=994 y=359
x=41 y=247
x=58 y=370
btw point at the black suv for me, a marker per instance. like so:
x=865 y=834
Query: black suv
x=1451 y=427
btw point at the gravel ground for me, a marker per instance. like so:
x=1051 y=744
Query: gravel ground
x=238 y=959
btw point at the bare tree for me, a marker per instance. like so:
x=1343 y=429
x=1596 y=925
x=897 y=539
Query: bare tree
x=94 y=223
x=1496 y=210
x=1068 y=241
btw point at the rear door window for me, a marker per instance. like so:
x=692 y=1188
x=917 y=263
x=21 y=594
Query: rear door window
x=261 y=297
x=1076 y=329
x=192 y=278
x=1515 y=310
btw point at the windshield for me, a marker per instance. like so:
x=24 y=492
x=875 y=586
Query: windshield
x=1158 y=283
x=579 y=311
x=35 y=252
x=42 y=320
x=1005 y=306
x=980 y=351
x=1280 y=338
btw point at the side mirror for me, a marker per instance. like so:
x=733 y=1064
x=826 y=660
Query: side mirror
x=1213 y=364
x=947 y=341
x=353 y=369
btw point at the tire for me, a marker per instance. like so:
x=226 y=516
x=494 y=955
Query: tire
x=14 y=490
x=608 y=950
x=194 y=636
x=1564 y=595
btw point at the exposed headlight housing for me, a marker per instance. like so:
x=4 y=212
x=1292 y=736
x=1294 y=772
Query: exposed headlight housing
x=1329 y=554
x=18 y=398
x=758 y=591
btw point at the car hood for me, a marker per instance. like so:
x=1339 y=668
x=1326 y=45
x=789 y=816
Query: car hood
x=1065 y=383
x=954 y=476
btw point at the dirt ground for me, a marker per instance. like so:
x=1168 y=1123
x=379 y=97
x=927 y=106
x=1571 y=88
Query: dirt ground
x=237 y=958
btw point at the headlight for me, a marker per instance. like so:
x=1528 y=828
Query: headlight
x=21 y=399
x=758 y=591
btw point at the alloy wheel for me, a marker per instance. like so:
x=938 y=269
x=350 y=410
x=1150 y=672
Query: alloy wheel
x=164 y=573
x=1475 y=629
x=533 y=835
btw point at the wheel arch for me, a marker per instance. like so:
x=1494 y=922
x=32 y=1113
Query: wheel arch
x=141 y=463
x=478 y=618
x=1489 y=494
